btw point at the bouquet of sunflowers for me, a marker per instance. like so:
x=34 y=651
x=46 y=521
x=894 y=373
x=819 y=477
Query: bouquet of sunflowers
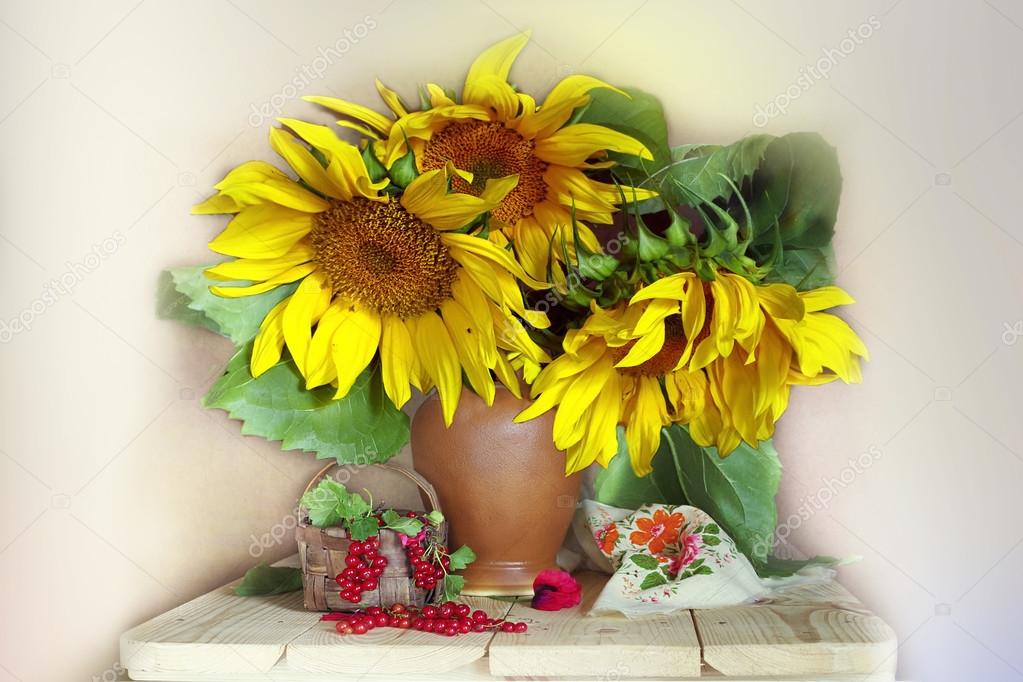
x=662 y=301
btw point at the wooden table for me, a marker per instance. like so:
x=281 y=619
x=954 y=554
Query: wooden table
x=808 y=632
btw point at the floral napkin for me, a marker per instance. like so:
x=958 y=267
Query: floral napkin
x=664 y=558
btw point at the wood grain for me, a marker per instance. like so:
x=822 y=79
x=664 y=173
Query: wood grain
x=217 y=633
x=811 y=630
x=569 y=643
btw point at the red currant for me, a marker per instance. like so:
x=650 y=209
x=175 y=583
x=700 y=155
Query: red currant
x=507 y=627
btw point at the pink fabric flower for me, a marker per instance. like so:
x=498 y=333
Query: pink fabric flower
x=689 y=549
x=555 y=590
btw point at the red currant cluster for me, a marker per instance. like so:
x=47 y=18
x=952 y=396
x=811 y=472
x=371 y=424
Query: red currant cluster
x=363 y=566
x=428 y=573
x=449 y=619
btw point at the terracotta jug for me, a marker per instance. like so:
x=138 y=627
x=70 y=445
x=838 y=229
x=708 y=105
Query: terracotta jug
x=502 y=487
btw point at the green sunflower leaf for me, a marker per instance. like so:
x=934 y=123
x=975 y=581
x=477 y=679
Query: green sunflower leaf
x=709 y=171
x=640 y=116
x=798 y=185
x=265 y=580
x=184 y=295
x=738 y=491
x=618 y=485
x=361 y=428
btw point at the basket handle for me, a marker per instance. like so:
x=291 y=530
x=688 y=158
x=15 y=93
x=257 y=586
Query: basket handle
x=421 y=483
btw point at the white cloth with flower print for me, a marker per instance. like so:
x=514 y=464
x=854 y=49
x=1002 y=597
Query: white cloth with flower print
x=663 y=558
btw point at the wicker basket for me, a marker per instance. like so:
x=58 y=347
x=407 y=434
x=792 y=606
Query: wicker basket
x=322 y=552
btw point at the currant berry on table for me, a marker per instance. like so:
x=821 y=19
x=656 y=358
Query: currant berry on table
x=448 y=619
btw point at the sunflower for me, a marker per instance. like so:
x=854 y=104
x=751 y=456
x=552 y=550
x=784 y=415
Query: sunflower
x=719 y=356
x=378 y=275
x=495 y=132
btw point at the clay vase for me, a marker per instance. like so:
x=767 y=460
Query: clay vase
x=502 y=487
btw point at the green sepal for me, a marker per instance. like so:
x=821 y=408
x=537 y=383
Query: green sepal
x=376 y=170
x=404 y=170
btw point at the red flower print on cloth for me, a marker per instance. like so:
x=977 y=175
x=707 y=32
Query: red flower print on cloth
x=658 y=530
x=555 y=590
x=690 y=548
x=606 y=537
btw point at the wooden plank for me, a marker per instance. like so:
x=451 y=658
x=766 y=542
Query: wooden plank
x=282 y=672
x=218 y=632
x=811 y=630
x=568 y=643
x=387 y=651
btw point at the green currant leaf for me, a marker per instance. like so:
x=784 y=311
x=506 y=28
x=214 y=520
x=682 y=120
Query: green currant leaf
x=453 y=585
x=461 y=557
x=265 y=580
x=402 y=524
x=361 y=428
x=362 y=528
x=435 y=517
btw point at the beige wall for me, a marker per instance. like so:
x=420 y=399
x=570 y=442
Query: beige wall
x=122 y=498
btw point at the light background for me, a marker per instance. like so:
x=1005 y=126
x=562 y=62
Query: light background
x=122 y=497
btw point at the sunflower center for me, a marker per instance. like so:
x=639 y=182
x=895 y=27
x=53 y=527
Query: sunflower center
x=383 y=257
x=489 y=151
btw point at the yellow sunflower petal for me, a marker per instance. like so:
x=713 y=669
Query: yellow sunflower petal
x=496 y=61
x=465 y=244
x=263 y=231
x=269 y=343
x=261 y=269
x=320 y=369
x=439 y=360
x=824 y=298
x=575 y=86
x=428 y=199
x=506 y=374
x=292 y=275
x=303 y=162
x=218 y=203
x=646 y=347
x=306 y=305
x=645 y=419
x=346 y=168
x=391 y=99
x=466 y=336
x=586 y=386
x=357 y=111
x=353 y=346
x=573 y=144
x=671 y=287
x=397 y=360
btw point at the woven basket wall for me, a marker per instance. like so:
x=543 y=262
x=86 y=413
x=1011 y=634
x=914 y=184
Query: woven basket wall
x=322 y=553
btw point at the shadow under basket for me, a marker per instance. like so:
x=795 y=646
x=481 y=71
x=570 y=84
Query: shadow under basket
x=322 y=553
